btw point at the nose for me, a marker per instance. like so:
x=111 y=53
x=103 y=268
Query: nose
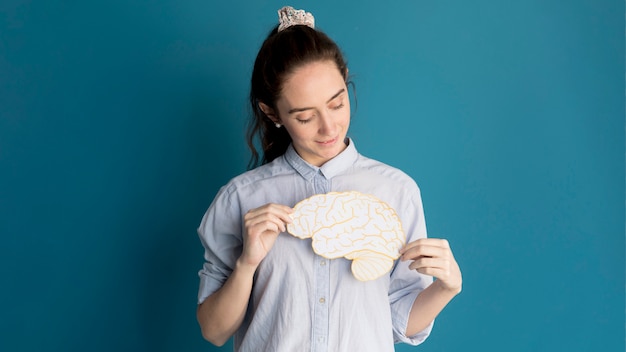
x=327 y=125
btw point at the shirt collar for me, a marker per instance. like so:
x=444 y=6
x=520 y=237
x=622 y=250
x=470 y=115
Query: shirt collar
x=330 y=169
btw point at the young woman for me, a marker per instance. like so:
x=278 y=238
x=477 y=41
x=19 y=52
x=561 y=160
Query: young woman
x=269 y=289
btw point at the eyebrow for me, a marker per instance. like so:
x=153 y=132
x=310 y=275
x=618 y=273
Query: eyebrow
x=329 y=100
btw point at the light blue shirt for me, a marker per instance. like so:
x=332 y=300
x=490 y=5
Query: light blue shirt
x=301 y=301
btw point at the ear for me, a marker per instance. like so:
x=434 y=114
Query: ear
x=269 y=112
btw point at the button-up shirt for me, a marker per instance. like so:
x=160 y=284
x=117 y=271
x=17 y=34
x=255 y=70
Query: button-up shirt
x=301 y=301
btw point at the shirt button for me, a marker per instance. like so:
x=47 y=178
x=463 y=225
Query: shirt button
x=322 y=300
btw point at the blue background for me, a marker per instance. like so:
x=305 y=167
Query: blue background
x=119 y=121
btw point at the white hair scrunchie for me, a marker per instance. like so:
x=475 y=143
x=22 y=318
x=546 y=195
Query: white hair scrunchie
x=288 y=16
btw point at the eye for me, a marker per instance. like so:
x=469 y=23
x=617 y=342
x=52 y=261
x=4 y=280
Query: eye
x=337 y=103
x=337 y=107
x=305 y=118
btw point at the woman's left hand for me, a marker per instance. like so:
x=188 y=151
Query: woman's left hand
x=433 y=256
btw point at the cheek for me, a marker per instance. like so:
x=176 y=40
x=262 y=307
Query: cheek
x=297 y=131
x=345 y=118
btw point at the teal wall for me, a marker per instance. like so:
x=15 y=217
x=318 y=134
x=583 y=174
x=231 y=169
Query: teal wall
x=119 y=121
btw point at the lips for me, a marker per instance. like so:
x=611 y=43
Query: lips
x=328 y=142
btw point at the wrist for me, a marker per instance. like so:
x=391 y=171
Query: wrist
x=245 y=268
x=447 y=289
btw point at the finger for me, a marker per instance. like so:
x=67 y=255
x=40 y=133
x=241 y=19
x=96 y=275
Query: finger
x=265 y=227
x=439 y=273
x=277 y=211
x=271 y=207
x=425 y=247
x=434 y=242
x=280 y=211
x=269 y=221
x=433 y=263
x=285 y=214
x=427 y=251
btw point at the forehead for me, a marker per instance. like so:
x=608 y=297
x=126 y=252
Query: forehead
x=311 y=83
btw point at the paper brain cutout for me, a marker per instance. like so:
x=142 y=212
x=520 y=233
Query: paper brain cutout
x=353 y=225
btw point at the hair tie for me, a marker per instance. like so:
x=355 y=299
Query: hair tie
x=288 y=16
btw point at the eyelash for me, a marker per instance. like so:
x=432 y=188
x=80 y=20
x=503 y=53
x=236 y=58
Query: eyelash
x=333 y=108
x=338 y=107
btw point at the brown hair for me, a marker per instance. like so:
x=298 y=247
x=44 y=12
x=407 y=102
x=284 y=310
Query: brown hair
x=280 y=55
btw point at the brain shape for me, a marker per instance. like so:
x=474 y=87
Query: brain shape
x=353 y=225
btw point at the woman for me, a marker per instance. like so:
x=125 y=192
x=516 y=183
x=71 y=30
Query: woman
x=269 y=289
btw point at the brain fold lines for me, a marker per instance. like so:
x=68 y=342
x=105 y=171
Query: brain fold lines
x=354 y=225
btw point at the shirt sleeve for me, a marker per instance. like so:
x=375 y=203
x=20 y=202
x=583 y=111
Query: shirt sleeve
x=406 y=284
x=220 y=234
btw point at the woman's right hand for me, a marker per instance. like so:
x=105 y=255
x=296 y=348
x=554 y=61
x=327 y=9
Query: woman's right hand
x=221 y=314
x=261 y=228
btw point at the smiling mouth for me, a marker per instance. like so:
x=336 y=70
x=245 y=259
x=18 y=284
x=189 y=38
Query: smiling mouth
x=328 y=142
